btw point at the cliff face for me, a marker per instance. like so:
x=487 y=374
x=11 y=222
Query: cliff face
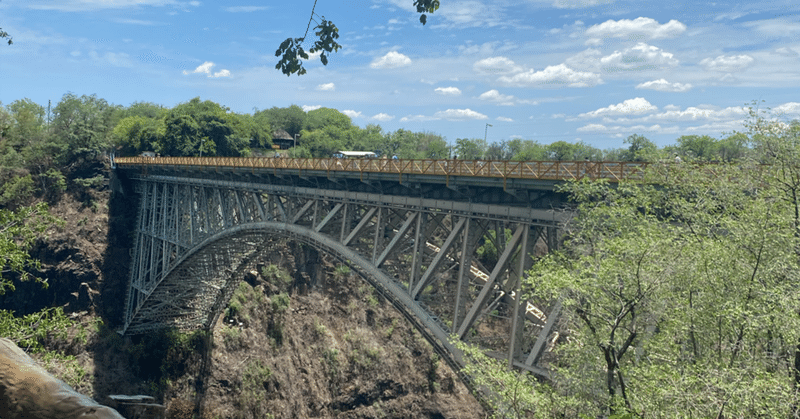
x=301 y=337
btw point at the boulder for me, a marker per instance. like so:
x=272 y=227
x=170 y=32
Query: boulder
x=28 y=391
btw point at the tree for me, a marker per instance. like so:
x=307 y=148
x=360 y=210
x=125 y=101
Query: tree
x=205 y=128
x=291 y=51
x=700 y=147
x=470 y=149
x=640 y=149
x=81 y=127
x=291 y=119
x=18 y=231
x=4 y=34
x=136 y=134
x=680 y=293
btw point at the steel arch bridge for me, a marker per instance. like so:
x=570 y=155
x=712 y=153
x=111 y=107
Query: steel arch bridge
x=202 y=227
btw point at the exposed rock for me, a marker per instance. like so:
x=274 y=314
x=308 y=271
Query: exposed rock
x=27 y=391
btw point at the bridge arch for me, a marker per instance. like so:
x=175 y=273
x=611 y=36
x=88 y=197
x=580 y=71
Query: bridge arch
x=197 y=236
x=214 y=289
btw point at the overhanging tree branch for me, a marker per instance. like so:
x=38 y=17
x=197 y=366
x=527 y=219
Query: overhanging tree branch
x=291 y=50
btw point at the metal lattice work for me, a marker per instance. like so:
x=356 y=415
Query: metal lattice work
x=196 y=238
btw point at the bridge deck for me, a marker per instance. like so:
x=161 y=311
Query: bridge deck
x=501 y=169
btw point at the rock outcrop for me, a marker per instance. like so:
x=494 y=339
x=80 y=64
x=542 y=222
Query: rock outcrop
x=27 y=391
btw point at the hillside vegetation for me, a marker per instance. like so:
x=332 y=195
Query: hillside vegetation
x=679 y=293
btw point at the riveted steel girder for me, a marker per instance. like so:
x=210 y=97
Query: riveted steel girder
x=195 y=239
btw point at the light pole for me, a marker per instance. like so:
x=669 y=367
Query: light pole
x=486 y=131
x=295 y=140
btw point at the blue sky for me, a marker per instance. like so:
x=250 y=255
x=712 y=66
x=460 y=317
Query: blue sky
x=547 y=70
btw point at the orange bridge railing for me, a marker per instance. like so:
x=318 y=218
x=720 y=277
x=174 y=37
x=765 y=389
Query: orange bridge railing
x=544 y=170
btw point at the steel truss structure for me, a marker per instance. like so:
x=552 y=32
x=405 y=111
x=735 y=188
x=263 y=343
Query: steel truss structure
x=197 y=238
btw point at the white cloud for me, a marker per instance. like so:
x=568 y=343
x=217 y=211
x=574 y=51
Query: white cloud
x=496 y=65
x=786 y=52
x=504 y=119
x=327 y=87
x=448 y=91
x=352 y=114
x=392 y=59
x=727 y=63
x=623 y=131
x=552 y=76
x=382 y=117
x=639 y=28
x=205 y=68
x=636 y=106
x=245 y=9
x=309 y=108
x=497 y=97
x=639 y=57
x=459 y=115
x=787 y=109
x=202 y=68
x=417 y=118
x=662 y=85
x=468 y=14
x=221 y=73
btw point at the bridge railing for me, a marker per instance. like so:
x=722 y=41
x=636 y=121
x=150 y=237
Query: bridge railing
x=545 y=170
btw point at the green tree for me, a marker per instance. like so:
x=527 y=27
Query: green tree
x=81 y=128
x=204 y=128
x=291 y=51
x=527 y=150
x=700 y=147
x=680 y=295
x=135 y=134
x=4 y=34
x=291 y=119
x=562 y=151
x=18 y=232
x=28 y=123
x=470 y=149
x=640 y=149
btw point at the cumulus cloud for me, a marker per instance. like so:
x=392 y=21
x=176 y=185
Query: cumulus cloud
x=639 y=28
x=504 y=119
x=309 y=108
x=662 y=85
x=448 y=91
x=788 y=109
x=636 y=106
x=352 y=113
x=496 y=65
x=382 y=117
x=327 y=87
x=727 y=63
x=497 y=97
x=392 y=59
x=205 y=68
x=417 y=118
x=639 y=57
x=552 y=76
x=786 y=52
x=624 y=131
x=459 y=115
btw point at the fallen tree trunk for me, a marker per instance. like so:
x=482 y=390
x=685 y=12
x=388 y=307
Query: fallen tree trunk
x=27 y=391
